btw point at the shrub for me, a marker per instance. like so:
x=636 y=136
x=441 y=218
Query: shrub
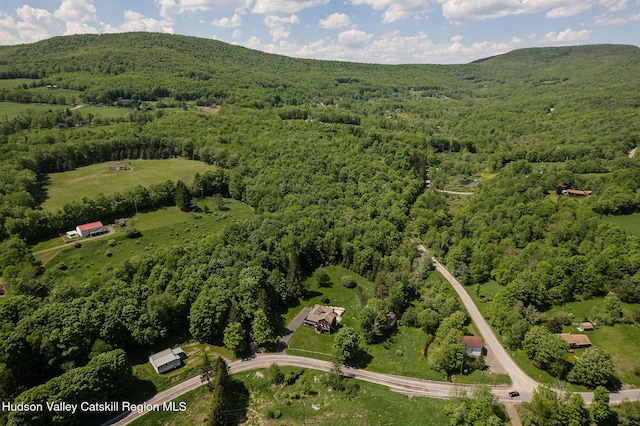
x=108 y=253
x=77 y=244
x=132 y=233
x=348 y=281
x=112 y=243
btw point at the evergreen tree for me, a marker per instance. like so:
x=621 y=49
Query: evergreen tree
x=182 y=196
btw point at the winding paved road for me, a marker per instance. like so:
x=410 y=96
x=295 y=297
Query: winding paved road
x=405 y=385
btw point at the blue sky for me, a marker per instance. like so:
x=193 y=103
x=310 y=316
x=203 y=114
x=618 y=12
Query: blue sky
x=379 y=31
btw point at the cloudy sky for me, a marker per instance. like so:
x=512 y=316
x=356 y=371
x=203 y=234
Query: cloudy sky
x=380 y=31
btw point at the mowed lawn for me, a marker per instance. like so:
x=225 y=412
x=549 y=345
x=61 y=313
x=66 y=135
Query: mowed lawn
x=91 y=180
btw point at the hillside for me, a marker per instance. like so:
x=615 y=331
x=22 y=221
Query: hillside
x=328 y=161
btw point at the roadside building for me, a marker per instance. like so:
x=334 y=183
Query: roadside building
x=167 y=360
x=473 y=345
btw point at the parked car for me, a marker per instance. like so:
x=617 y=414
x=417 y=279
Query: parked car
x=514 y=394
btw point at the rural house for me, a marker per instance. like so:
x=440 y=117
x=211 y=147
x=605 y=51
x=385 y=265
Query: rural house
x=324 y=319
x=473 y=345
x=576 y=341
x=167 y=360
x=89 y=229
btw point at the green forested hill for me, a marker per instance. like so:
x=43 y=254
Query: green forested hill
x=332 y=158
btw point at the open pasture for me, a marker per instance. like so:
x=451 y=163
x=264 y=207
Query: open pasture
x=91 y=180
x=167 y=226
x=13 y=109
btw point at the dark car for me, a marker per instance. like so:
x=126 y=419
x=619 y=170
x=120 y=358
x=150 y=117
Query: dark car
x=513 y=394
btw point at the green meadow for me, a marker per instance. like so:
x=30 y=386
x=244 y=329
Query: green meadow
x=306 y=401
x=91 y=180
x=14 y=109
x=167 y=226
x=629 y=223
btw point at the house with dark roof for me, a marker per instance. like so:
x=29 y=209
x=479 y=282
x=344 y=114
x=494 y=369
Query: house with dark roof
x=323 y=318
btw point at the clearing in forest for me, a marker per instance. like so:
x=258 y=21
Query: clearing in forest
x=91 y=180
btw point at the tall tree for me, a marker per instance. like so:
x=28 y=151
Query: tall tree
x=594 y=368
x=182 y=196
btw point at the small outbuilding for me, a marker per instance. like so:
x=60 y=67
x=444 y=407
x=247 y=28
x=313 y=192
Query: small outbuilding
x=586 y=326
x=167 y=360
x=89 y=229
x=576 y=341
x=473 y=345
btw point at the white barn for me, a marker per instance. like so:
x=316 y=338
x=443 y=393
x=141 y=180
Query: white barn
x=167 y=360
x=89 y=229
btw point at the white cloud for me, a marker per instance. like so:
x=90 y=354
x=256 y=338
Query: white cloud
x=354 y=38
x=196 y=5
x=395 y=10
x=569 y=10
x=135 y=21
x=335 y=21
x=277 y=28
x=284 y=7
x=167 y=8
x=610 y=20
x=566 y=36
x=31 y=25
x=461 y=11
x=76 y=11
x=234 y=21
x=391 y=48
x=76 y=14
x=613 y=5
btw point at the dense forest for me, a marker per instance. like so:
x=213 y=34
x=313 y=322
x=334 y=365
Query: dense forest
x=333 y=158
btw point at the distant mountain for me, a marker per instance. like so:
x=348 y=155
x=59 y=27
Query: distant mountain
x=151 y=66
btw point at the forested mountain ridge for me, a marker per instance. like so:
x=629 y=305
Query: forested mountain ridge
x=332 y=157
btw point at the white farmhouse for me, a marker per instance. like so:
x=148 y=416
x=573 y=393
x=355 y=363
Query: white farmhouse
x=89 y=229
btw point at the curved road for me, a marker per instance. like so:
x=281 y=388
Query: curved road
x=405 y=385
x=400 y=384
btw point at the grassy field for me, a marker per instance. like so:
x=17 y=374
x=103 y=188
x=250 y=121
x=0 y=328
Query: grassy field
x=163 y=227
x=14 y=109
x=91 y=180
x=629 y=223
x=622 y=341
x=11 y=83
x=307 y=401
x=105 y=111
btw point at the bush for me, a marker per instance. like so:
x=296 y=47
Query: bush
x=112 y=243
x=348 y=281
x=77 y=244
x=61 y=266
x=132 y=233
x=108 y=253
